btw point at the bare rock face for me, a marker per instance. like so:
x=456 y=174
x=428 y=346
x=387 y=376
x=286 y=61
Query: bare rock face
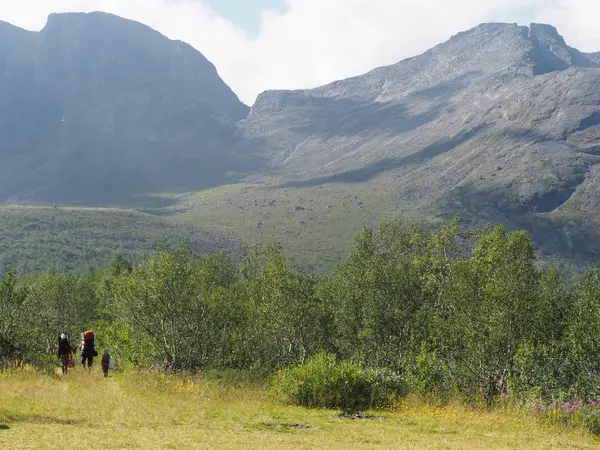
x=438 y=127
x=94 y=108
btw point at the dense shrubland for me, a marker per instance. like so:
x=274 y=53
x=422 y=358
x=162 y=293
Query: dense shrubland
x=447 y=313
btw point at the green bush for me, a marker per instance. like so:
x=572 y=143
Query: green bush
x=427 y=374
x=387 y=387
x=324 y=382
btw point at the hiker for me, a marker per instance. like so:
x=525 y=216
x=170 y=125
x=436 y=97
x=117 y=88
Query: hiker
x=105 y=363
x=65 y=350
x=88 y=348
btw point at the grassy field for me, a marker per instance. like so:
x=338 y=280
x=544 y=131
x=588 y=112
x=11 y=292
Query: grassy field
x=136 y=410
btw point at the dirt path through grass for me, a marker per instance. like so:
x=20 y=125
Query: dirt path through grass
x=135 y=410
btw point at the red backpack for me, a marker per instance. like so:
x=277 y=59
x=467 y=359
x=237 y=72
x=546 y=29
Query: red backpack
x=89 y=339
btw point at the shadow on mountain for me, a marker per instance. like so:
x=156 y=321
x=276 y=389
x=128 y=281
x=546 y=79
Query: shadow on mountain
x=375 y=169
x=477 y=207
x=523 y=134
x=446 y=90
x=330 y=117
x=102 y=108
x=590 y=121
x=145 y=180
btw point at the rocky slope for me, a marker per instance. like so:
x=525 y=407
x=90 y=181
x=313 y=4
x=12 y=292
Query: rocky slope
x=96 y=109
x=498 y=123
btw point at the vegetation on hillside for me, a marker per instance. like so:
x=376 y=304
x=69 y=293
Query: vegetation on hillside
x=454 y=314
x=72 y=239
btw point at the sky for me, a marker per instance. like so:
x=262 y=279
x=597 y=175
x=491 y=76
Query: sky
x=246 y=13
x=296 y=44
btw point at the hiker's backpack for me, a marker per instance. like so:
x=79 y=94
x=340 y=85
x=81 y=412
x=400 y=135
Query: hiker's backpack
x=89 y=340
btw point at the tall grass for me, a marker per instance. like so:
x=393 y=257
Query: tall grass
x=157 y=410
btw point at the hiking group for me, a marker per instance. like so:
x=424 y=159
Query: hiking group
x=88 y=352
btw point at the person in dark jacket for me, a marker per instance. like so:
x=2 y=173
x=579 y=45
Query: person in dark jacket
x=105 y=362
x=65 y=350
x=88 y=348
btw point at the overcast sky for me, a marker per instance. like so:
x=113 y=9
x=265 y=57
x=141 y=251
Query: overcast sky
x=287 y=44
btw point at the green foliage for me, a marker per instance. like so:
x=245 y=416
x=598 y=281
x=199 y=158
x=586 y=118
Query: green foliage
x=129 y=346
x=34 y=240
x=484 y=311
x=387 y=387
x=11 y=312
x=438 y=313
x=324 y=382
x=289 y=322
x=375 y=296
x=168 y=298
x=427 y=374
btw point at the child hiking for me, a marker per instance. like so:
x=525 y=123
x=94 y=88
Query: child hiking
x=88 y=348
x=105 y=363
x=65 y=350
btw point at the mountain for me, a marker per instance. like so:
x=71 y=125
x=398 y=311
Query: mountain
x=98 y=109
x=500 y=123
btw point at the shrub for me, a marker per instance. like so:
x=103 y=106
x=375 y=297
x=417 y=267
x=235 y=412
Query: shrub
x=387 y=387
x=427 y=374
x=324 y=382
x=576 y=412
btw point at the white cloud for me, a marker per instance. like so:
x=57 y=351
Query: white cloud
x=317 y=41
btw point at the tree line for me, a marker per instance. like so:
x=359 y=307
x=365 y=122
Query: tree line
x=452 y=312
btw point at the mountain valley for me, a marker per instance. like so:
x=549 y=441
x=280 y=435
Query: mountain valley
x=499 y=124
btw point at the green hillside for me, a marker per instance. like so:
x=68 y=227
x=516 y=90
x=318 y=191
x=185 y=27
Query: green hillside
x=36 y=239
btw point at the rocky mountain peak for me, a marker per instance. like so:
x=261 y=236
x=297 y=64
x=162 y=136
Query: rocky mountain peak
x=499 y=51
x=546 y=32
x=550 y=52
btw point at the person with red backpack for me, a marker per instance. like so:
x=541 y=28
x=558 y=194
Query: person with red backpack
x=88 y=348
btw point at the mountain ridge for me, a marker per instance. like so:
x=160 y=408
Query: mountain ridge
x=545 y=34
x=90 y=104
x=499 y=123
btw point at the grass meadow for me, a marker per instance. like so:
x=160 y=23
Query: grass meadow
x=152 y=410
